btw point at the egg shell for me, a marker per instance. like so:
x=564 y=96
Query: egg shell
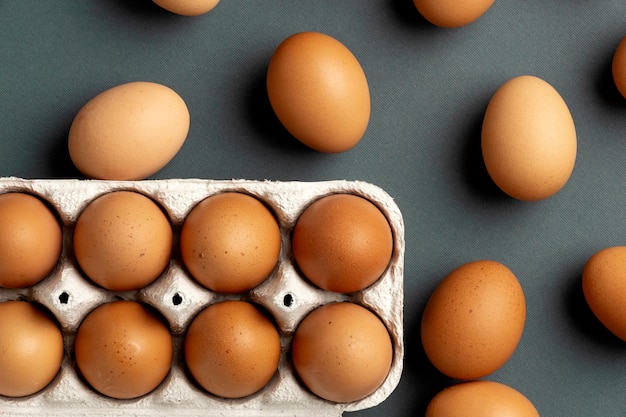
x=528 y=139
x=128 y=132
x=187 y=7
x=604 y=288
x=178 y=298
x=452 y=13
x=473 y=320
x=319 y=92
x=618 y=67
x=480 y=398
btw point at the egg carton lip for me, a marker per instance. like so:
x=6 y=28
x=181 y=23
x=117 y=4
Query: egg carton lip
x=288 y=297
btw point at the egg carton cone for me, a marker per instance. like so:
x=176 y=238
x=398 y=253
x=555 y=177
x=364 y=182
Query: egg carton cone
x=286 y=294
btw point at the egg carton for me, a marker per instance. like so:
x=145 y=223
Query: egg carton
x=285 y=294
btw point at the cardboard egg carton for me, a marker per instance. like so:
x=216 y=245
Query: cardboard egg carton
x=285 y=294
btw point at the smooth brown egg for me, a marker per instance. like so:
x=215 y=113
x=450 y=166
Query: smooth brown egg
x=30 y=240
x=452 y=13
x=187 y=7
x=230 y=242
x=319 y=92
x=123 y=241
x=480 y=398
x=604 y=288
x=528 y=139
x=123 y=349
x=128 y=132
x=618 y=67
x=31 y=349
x=342 y=243
x=473 y=321
x=232 y=349
x=342 y=352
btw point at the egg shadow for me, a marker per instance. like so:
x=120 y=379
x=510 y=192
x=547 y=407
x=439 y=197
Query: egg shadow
x=605 y=85
x=59 y=163
x=406 y=13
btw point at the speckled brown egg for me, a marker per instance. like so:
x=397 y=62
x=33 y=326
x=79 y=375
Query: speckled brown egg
x=232 y=349
x=604 y=288
x=480 y=398
x=319 y=92
x=123 y=241
x=123 y=349
x=618 y=67
x=342 y=243
x=31 y=348
x=452 y=13
x=342 y=352
x=30 y=240
x=474 y=319
x=230 y=242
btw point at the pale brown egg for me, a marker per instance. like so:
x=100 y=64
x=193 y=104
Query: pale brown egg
x=187 y=7
x=474 y=320
x=232 y=349
x=342 y=243
x=31 y=349
x=123 y=241
x=128 y=132
x=230 y=242
x=618 y=67
x=123 y=349
x=604 y=288
x=319 y=92
x=30 y=240
x=452 y=13
x=342 y=352
x=480 y=398
x=528 y=139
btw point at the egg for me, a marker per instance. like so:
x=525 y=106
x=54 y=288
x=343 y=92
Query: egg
x=230 y=242
x=618 y=67
x=31 y=348
x=452 y=13
x=128 y=132
x=123 y=349
x=528 y=139
x=122 y=241
x=187 y=7
x=319 y=92
x=342 y=243
x=342 y=352
x=480 y=398
x=30 y=240
x=473 y=320
x=604 y=288
x=232 y=349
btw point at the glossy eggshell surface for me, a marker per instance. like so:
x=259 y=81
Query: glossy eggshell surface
x=528 y=139
x=452 y=13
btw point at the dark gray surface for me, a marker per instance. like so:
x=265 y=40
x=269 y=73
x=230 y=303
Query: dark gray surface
x=429 y=89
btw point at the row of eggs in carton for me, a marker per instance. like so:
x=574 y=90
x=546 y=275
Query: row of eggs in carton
x=282 y=321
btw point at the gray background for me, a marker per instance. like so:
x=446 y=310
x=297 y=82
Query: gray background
x=429 y=89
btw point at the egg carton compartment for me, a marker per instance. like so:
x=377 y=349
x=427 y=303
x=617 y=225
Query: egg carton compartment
x=178 y=297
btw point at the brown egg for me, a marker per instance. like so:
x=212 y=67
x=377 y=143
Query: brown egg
x=452 y=13
x=342 y=352
x=480 y=398
x=474 y=320
x=342 y=243
x=123 y=241
x=230 y=242
x=618 y=67
x=319 y=92
x=187 y=7
x=128 y=132
x=232 y=349
x=604 y=288
x=123 y=349
x=30 y=240
x=31 y=349
x=528 y=139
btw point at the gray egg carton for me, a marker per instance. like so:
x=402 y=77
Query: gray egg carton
x=285 y=294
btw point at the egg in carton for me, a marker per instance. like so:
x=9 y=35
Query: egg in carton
x=286 y=294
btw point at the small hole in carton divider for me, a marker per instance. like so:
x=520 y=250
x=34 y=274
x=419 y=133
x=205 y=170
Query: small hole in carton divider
x=177 y=299
x=64 y=297
x=288 y=300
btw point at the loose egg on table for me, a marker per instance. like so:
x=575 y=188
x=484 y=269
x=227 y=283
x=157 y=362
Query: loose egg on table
x=452 y=13
x=187 y=7
x=618 y=67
